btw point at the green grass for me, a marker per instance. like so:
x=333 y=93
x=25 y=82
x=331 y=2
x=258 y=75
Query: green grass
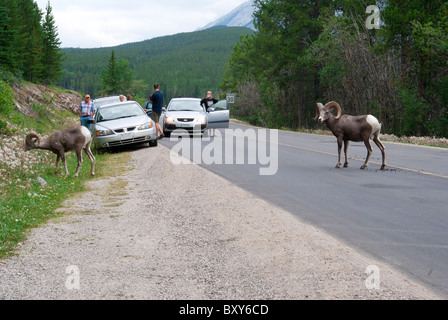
x=26 y=204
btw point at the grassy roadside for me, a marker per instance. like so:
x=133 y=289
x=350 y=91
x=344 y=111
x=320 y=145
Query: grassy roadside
x=31 y=195
x=30 y=188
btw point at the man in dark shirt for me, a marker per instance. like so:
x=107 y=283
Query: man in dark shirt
x=207 y=103
x=156 y=100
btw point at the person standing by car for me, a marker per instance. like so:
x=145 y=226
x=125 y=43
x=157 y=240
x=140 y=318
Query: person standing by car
x=147 y=106
x=206 y=103
x=156 y=99
x=86 y=111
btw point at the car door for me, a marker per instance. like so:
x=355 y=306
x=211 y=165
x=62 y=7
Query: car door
x=162 y=118
x=220 y=117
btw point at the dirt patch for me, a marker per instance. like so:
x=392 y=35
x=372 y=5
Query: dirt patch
x=182 y=232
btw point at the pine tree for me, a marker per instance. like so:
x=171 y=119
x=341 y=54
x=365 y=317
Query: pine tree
x=6 y=40
x=12 y=12
x=29 y=40
x=51 y=55
x=109 y=83
x=117 y=78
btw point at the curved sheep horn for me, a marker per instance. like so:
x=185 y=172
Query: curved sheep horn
x=29 y=140
x=336 y=106
x=318 y=107
x=30 y=136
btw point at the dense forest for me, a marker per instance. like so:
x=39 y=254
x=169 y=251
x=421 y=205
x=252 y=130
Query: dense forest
x=185 y=64
x=29 y=50
x=29 y=43
x=389 y=60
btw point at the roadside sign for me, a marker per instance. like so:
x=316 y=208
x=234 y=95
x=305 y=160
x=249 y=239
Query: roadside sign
x=230 y=97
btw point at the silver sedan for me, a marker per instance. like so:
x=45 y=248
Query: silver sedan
x=122 y=123
x=189 y=115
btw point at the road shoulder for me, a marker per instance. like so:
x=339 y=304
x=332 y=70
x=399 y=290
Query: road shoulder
x=168 y=231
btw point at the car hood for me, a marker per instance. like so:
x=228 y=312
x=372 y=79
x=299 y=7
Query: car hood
x=124 y=123
x=185 y=114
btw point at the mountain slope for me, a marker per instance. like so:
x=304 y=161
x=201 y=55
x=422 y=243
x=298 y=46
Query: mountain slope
x=241 y=16
x=185 y=64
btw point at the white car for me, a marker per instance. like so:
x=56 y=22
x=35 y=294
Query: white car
x=105 y=100
x=122 y=123
x=189 y=115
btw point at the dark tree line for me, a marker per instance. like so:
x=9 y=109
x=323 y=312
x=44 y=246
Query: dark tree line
x=185 y=64
x=29 y=43
x=315 y=51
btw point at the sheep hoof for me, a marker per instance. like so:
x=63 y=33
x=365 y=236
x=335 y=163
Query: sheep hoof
x=338 y=166
x=345 y=165
x=363 y=167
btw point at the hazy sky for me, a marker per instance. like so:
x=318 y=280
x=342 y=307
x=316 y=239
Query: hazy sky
x=105 y=23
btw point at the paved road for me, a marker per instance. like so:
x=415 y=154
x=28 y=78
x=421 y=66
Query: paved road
x=399 y=215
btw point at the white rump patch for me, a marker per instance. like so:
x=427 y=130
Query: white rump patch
x=86 y=133
x=376 y=125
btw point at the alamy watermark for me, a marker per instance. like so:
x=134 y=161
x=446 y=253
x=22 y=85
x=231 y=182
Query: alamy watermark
x=374 y=20
x=373 y=280
x=234 y=146
x=72 y=282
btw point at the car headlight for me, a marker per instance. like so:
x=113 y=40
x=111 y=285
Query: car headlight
x=102 y=133
x=145 y=126
x=202 y=119
x=169 y=119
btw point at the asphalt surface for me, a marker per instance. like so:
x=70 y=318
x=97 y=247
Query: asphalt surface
x=399 y=215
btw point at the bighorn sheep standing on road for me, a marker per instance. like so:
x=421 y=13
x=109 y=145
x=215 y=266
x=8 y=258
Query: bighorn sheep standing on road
x=62 y=141
x=351 y=128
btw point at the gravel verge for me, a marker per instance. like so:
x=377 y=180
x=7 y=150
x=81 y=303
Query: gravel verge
x=165 y=231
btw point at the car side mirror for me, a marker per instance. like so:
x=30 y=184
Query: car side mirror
x=211 y=109
x=90 y=121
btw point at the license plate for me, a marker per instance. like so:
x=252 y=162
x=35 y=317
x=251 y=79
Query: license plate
x=184 y=125
x=127 y=136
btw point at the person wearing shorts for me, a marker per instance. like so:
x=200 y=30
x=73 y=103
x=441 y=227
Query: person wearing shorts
x=156 y=100
x=156 y=117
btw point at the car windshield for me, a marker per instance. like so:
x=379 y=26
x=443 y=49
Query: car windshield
x=185 y=105
x=119 y=111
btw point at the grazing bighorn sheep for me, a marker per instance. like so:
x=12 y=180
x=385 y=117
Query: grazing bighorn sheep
x=351 y=128
x=62 y=141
